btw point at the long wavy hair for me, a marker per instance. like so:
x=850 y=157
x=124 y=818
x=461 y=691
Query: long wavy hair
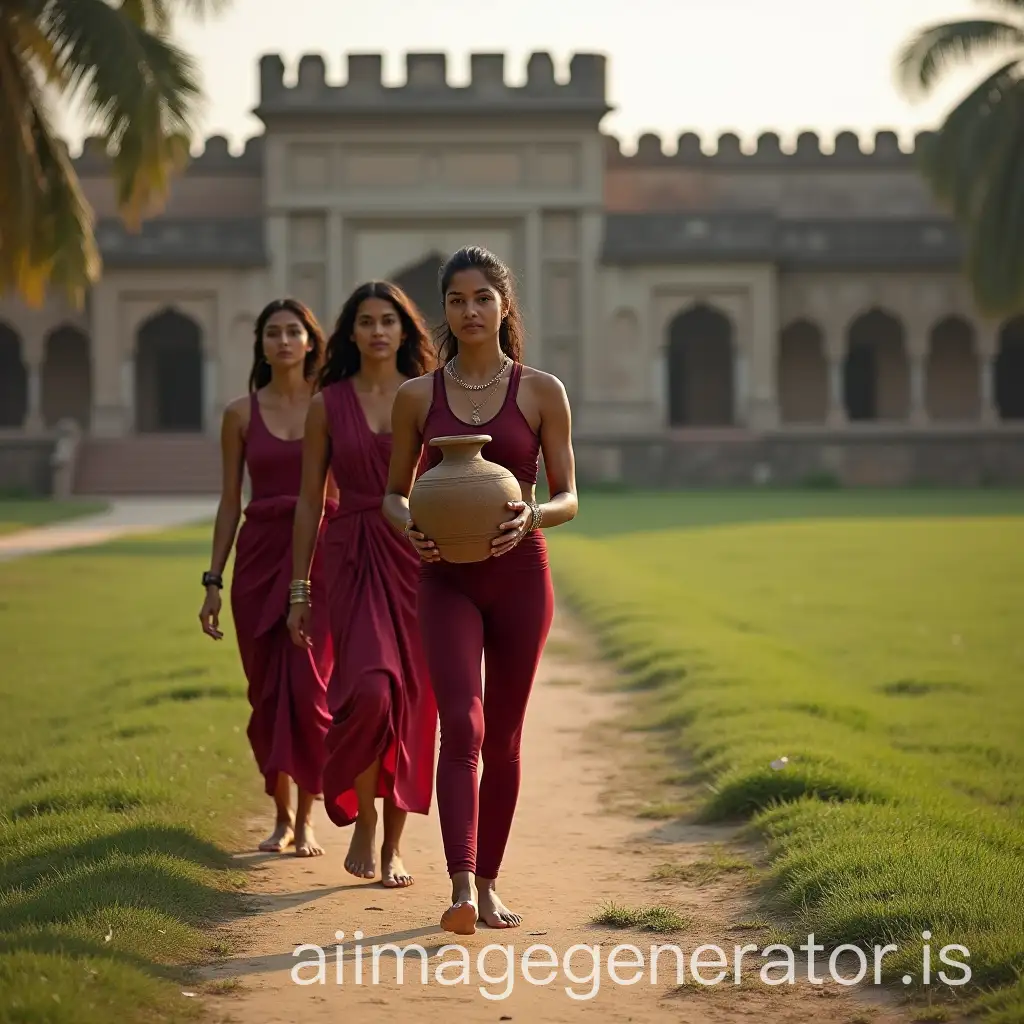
x=259 y=376
x=415 y=355
x=511 y=334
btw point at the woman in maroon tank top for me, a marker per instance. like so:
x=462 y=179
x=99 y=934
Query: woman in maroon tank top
x=384 y=720
x=287 y=687
x=498 y=610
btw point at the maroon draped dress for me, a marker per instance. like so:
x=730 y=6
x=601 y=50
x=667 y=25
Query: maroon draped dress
x=287 y=685
x=379 y=695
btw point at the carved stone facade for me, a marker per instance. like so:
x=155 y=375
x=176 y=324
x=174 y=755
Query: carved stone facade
x=784 y=305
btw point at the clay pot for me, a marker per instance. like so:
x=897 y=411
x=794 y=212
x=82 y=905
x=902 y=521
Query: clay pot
x=461 y=502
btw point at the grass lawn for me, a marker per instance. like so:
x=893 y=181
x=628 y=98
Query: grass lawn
x=876 y=641
x=124 y=762
x=23 y=513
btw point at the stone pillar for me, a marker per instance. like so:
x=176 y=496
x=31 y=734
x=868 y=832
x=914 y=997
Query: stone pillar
x=741 y=389
x=211 y=375
x=917 y=365
x=335 y=266
x=835 y=354
x=34 y=416
x=129 y=421
x=988 y=348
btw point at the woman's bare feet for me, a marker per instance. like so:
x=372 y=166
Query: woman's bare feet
x=493 y=912
x=305 y=841
x=461 y=916
x=360 y=860
x=280 y=839
x=393 y=874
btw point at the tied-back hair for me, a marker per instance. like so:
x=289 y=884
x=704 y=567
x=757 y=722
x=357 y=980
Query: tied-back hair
x=259 y=376
x=511 y=334
x=415 y=356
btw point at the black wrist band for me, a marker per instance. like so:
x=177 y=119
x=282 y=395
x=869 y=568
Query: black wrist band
x=213 y=579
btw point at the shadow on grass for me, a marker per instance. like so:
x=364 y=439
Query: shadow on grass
x=134 y=841
x=134 y=548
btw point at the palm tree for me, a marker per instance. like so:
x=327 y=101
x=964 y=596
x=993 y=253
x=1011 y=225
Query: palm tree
x=116 y=59
x=975 y=161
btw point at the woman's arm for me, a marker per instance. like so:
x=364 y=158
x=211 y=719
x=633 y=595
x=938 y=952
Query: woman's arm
x=309 y=508
x=406 y=446
x=559 y=458
x=229 y=511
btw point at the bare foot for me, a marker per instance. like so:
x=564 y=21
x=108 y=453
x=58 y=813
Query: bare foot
x=305 y=841
x=280 y=839
x=461 y=916
x=393 y=874
x=493 y=912
x=360 y=860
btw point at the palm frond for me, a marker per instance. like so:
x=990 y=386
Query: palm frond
x=931 y=53
x=995 y=257
x=45 y=222
x=962 y=153
x=151 y=15
x=142 y=90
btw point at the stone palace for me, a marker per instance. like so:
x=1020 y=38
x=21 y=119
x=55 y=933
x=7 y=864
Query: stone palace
x=717 y=316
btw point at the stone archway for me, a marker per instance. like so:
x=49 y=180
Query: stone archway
x=67 y=377
x=701 y=389
x=13 y=379
x=169 y=375
x=1009 y=370
x=876 y=375
x=420 y=282
x=951 y=381
x=802 y=374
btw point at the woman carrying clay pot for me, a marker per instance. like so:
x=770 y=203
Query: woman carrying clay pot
x=498 y=609
x=384 y=719
x=262 y=433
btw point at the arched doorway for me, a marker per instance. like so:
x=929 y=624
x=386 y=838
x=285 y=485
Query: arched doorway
x=169 y=374
x=876 y=378
x=951 y=384
x=1009 y=371
x=420 y=283
x=67 y=377
x=700 y=369
x=13 y=379
x=803 y=374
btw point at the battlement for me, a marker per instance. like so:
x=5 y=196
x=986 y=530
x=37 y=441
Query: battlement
x=846 y=152
x=215 y=158
x=426 y=88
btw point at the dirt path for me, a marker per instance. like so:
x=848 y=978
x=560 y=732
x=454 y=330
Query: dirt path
x=569 y=856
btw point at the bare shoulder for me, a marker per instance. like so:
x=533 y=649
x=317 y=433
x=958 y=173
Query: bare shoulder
x=416 y=392
x=544 y=385
x=236 y=412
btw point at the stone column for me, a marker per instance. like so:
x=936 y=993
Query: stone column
x=741 y=388
x=211 y=423
x=335 y=264
x=129 y=420
x=917 y=365
x=988 y=348
x=34 y=371
x=835 y=355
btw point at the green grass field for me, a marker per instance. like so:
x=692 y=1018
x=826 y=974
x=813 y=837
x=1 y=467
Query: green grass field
x=875 y=641
x=21 y=514
x=124 y=765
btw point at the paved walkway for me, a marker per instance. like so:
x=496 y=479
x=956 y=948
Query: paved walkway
x=124 y=516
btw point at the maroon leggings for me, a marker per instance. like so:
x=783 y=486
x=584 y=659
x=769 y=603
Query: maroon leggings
x=498 y=611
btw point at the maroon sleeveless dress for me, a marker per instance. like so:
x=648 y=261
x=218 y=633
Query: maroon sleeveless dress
x=287 y=685
x=379 y=695
x=497 y=611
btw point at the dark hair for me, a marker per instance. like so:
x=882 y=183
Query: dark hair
x=510 y=334
x=259 y=376
x=415 y=355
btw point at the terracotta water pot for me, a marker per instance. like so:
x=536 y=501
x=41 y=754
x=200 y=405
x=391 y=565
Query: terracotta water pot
x=461 y=502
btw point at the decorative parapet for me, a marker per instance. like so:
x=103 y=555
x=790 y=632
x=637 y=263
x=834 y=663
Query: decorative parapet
x=169 y=243
x=756 y=236
x=426 y=89
x=846 y=151
x=215 y=158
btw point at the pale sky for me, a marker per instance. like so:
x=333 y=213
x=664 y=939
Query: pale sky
x=673 y=65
